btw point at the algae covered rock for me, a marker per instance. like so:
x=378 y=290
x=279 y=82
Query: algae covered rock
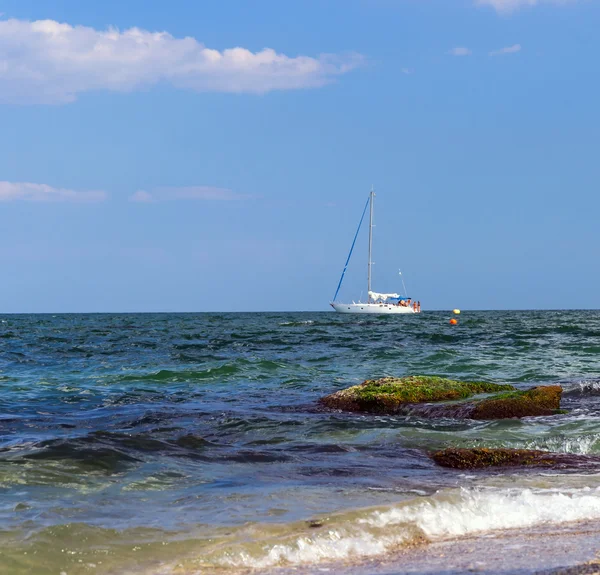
x=389 y=395
x=425 y=396
x=486 y=458
x=544 y=400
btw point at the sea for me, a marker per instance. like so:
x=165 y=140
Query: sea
x=179 y=444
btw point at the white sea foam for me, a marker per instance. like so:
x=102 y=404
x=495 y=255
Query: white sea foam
x=477 y=510
x=585 y=387
x=446 y=515
x=583 y=445
x=335 y=545
x=592 y=387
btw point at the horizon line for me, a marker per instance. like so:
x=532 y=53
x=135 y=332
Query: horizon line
x=274 y=311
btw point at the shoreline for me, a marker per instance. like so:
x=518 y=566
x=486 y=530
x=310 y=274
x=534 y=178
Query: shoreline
x=546 y=550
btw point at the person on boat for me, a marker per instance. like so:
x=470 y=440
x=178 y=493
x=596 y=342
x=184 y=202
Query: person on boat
x=415 y=306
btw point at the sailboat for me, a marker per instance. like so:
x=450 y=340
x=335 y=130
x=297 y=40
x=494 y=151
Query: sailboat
x=378 y=303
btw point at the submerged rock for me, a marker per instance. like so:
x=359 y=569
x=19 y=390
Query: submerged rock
x=414 y=394
x=485 y=458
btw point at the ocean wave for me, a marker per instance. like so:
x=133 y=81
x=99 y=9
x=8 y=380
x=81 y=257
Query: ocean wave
x=183 y=375
x=210 y=373
x=100 y=458
x=352 y=536
x=440 y=337
x=334 y=545
x=446 y=515
x=476 y=510
x=583 y=444
x=114 y=452
x=583 y=387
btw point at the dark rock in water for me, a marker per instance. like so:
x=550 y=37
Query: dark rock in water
x=390 y=395
x=544 y=400
x=485 y=458
x=414 y=395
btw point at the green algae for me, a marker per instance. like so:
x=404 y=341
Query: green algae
x=483 y=457
x=388 y=394
x=490 y=458
x=544 y=400
x=417 y=389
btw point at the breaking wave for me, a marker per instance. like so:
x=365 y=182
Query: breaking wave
x=584 y=387
x=583 y=444
x=448 y=514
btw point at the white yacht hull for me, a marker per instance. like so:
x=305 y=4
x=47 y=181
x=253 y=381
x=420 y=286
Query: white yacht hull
x=372 y=308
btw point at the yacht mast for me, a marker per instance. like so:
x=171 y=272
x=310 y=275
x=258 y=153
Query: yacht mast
x=371 y=199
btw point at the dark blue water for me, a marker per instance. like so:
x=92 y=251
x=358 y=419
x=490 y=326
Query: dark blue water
x=145 y=442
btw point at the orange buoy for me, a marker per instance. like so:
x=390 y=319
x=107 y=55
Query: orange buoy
x=453 y=321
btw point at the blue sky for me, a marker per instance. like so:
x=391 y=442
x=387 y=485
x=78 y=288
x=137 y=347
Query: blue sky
x=223 y=165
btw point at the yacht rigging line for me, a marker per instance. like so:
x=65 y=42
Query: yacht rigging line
x=351 y=249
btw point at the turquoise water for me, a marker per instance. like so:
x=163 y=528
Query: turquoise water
x=180 y=443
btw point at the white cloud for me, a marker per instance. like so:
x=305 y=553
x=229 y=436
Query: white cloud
x=187 y=193
x=49 y=62
x=460 y=51
x=26 y=191
x=507 y=50
x=511 y=5
x=408 y=71
x=142 y=196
